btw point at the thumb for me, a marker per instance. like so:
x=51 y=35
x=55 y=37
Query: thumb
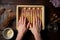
x=28 y=25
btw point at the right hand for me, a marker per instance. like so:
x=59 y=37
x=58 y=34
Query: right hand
x=36 y=27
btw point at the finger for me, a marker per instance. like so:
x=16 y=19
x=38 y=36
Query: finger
x=36 y=20
x=28 y=25
x=24 y=21
x=33 y=19
x=39 y=23
x=19 y=20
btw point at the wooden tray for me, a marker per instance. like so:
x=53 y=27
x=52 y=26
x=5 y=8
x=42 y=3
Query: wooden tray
x=29 y=11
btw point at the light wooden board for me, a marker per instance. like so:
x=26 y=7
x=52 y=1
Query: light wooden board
x=29 y=11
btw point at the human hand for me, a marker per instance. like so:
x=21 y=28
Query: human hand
x=22 y=25
x=36 y=27
x=22 y=28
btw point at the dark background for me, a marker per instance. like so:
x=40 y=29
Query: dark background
x=49 y=9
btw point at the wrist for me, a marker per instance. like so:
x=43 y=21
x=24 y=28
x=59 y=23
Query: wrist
x=36 y=32
x=20 y=33
x=37 y=36
x=19 y=36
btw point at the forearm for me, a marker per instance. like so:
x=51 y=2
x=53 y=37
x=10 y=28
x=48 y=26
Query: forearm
x=19 y=36
x=37 y=36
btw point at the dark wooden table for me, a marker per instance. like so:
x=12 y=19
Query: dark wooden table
x=49 y=9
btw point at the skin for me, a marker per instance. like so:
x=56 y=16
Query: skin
x=21 y=28
x=35 y=28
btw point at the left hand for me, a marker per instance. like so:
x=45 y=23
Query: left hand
x=22 y=25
